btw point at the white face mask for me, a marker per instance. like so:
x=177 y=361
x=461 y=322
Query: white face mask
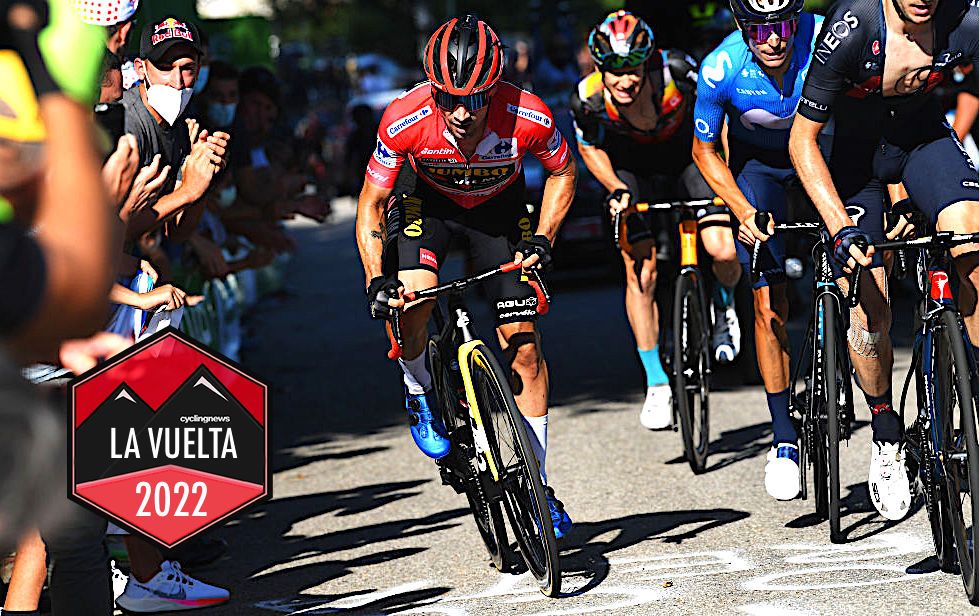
x=168 y=102
x=222 y=114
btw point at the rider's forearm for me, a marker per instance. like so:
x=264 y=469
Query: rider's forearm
x=815 y=176
x=370 y=229
x=600 y=166
x=718 y=175
x=558 y=195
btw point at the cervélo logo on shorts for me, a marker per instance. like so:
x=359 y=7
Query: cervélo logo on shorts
x=402 y=123
x=168 y=438
x=530 y=114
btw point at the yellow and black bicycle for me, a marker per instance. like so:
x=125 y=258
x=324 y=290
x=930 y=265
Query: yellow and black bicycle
x=491 y=460
x=692 y=327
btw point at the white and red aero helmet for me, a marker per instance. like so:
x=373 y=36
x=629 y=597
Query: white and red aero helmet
x=105 y=12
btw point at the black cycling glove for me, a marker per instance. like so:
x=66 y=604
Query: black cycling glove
x=616 y=195
x=379 y=291
x=847 y=237
x=537 y=245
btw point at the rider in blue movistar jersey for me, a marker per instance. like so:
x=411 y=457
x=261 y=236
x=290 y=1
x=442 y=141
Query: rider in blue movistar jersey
x=753 y=80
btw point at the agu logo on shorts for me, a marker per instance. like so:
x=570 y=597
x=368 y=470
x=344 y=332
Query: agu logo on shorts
x=168 y=438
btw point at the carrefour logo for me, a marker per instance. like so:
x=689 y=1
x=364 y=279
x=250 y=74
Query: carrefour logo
x=530 y=114
x=403 y=123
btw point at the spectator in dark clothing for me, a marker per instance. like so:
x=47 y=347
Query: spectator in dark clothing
x=359 y=147
x=167 y=66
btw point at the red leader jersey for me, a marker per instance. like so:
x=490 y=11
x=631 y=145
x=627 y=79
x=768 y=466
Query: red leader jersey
x=412 y=128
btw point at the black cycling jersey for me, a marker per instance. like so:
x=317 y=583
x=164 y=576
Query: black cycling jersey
x=849 y=61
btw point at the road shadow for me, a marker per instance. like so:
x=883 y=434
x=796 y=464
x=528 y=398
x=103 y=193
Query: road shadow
x=251 y=572
x=734 y=446
x=585 y=553
x=855 y=503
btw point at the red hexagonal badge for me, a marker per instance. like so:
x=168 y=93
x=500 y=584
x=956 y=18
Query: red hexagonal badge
x=168 y=438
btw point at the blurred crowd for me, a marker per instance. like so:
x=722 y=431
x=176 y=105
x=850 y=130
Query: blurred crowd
x=136 y=173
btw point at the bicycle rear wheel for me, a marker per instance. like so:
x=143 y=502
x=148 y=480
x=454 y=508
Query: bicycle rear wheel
x=920 y=452
x=486 y=512
x=960 y=451
x=518 y=468
x=834 y=398
x=691 y=368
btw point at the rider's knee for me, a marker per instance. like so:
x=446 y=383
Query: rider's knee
x=768 y=316
x=643 y=281
x=868 y=334
x=722 y=250
x=526 y=358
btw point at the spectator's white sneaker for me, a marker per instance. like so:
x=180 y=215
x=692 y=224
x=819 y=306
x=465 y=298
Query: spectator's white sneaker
x=782 y=472
x=657 y=410
x=119 y=580
x=168 y=591
x=890 y=490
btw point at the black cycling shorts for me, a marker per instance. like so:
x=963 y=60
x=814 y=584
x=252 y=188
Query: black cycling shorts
x=650 y=189
x=425 y=223
x=933 y=165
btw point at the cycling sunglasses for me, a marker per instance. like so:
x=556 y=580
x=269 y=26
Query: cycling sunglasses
x=760 y=33
x=471 y=102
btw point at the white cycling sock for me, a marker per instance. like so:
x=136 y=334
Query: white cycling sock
x=538 y=425
x=417 y=377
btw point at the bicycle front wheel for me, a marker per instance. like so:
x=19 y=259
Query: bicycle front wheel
x=518 y=470
x=691 y=390
x=834 y=360
x=956 y=416
x=486 y=512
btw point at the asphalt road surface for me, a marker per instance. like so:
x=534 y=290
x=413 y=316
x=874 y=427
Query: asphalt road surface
x=361 y=524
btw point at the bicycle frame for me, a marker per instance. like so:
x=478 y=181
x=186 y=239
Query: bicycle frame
x=456 y=332
x=935 y=288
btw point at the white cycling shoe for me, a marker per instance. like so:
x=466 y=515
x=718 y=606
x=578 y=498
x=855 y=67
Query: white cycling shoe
x=890 y=490
x=782 y=472
x=657 y=410
x=727 y=334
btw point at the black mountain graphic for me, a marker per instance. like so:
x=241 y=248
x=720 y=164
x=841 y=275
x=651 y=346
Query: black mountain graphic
x=122 y=410
x=201 y=396
x=204 y=396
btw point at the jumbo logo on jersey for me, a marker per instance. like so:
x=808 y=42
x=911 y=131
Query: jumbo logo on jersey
x=465 y=178
x=835 y=35
x=715 y=73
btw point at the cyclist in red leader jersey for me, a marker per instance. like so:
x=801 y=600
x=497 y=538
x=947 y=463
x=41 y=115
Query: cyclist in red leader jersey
x=465 y=132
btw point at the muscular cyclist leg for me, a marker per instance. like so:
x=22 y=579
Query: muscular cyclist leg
x=963 y=217
x=715 y=233
x=771 y=339
x=640 y=286
x=414 y=320
x=521 y=346
x=870 y=349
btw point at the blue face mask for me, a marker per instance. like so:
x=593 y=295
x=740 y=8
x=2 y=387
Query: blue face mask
x=202 y=75
x=222 y=114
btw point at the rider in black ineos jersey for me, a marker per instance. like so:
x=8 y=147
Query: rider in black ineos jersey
x=875 y=65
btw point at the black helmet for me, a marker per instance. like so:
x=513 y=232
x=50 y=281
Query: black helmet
x=765 y=11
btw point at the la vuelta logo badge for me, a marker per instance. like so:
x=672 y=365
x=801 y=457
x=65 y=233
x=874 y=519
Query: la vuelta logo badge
x=168 y=438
